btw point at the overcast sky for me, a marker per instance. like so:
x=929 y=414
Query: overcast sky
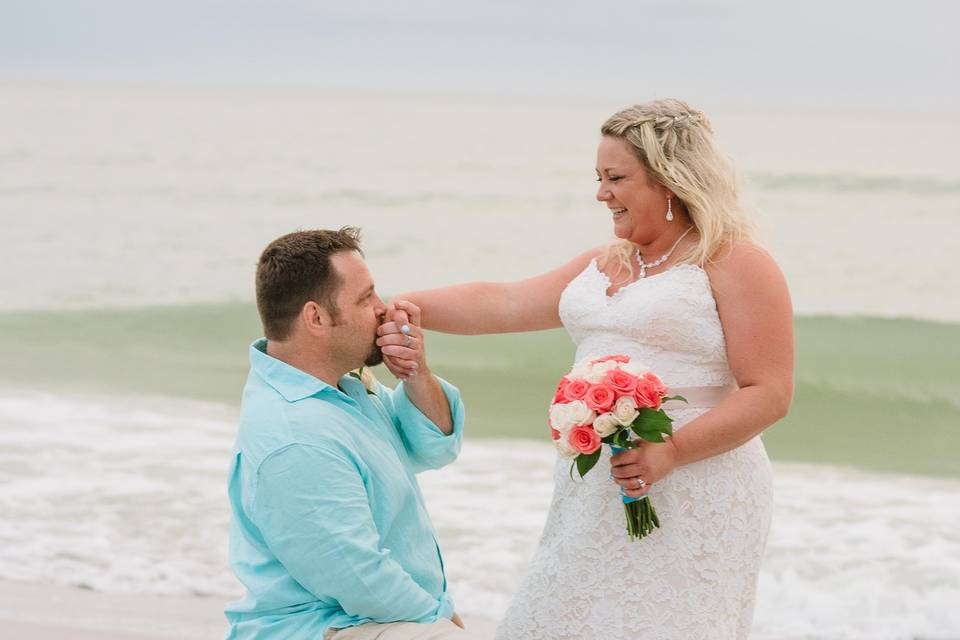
x=852 y=53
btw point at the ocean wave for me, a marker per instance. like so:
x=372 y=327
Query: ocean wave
x=114 y=496
x=852 y=183
x=462 y=200
x=128 y=496
x=873 y=392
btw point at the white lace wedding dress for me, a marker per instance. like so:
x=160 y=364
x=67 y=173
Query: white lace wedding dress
x=695 y=577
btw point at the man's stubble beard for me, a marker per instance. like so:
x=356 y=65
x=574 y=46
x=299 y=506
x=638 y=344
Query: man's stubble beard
x=375 y=357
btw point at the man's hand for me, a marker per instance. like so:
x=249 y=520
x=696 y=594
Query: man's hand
x=401 y=341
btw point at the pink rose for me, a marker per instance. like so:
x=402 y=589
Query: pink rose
x=600 y=397
x=554 y=433
x=584 y=439
x=650 y=392
x=622 y=382
x=616 y=358
x=558 y=396
x=575 y=390
x=661 y=388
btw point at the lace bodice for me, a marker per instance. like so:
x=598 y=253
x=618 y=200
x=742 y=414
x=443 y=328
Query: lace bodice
x=695 y=577
x=667 y=321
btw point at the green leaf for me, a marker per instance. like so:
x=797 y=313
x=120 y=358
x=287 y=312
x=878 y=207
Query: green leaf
x=650 y=436
x=586 y=461
x=680 y=398
x=652 y=425
x=648 y=418
x=623 y=439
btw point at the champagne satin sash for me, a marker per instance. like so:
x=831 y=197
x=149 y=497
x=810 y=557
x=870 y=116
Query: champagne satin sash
x=698 y=397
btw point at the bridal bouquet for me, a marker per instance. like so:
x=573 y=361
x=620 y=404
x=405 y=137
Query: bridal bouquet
x=609 y=400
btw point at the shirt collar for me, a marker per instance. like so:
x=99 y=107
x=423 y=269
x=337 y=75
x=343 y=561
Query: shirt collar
x=290 y=382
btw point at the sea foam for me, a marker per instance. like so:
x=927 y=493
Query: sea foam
x=129 y=496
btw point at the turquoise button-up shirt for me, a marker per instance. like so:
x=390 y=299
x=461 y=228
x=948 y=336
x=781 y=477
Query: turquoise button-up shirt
x=329 y=527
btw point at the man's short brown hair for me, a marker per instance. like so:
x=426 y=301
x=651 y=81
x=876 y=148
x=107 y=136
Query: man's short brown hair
x=295 y=269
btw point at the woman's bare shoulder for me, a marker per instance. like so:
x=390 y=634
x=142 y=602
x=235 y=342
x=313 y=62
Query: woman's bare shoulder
x=745 y=273
x=742 y=258
x=605 y=255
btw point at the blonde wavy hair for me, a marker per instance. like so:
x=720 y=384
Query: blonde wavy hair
x=674 y=143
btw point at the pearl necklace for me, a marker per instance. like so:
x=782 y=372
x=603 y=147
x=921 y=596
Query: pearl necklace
x=652 y=265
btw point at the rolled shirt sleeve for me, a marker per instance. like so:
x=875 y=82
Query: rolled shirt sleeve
x=313 y=510
x=428 y=446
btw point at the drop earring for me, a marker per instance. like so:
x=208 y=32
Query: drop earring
x=669 y=209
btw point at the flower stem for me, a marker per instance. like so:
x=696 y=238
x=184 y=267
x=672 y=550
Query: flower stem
x=641 y=518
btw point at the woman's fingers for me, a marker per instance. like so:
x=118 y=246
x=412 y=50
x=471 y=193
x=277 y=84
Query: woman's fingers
x=636 y=493
x=627 y=464
x=397 y=315
x=627 y=470
x=391 y=327
x=409 y=310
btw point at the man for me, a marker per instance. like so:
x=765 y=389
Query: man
x=330 y=534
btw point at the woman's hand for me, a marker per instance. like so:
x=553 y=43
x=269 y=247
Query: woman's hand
x=650 y=462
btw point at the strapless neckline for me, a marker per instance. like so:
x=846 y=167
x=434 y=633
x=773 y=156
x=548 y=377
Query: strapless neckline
x=611 y=297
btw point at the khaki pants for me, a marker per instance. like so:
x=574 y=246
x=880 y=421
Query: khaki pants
x=442 y=629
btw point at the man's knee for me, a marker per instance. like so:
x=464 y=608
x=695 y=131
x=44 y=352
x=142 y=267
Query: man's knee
x=441 y=630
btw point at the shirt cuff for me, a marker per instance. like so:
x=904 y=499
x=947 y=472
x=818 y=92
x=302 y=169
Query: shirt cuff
x=446 y=609
x=424 y=439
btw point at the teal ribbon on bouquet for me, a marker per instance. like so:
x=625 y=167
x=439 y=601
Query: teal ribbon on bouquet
x=626 y=499
x=641 y=516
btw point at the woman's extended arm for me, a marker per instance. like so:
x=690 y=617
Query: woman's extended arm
x=757 y=319
x=498 y=307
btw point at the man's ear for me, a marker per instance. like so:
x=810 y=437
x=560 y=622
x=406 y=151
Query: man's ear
x=315 y=318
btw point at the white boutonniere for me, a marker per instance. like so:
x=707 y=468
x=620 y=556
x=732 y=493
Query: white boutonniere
x=367 y=379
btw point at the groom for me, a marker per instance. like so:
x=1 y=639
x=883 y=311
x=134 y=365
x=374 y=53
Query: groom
x=330 y=534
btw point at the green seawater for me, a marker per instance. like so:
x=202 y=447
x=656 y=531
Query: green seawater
x=882 y=394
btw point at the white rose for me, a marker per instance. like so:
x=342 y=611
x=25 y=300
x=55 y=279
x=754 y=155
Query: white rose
x=565 y=448
x=625 y=410
x=605 y=424
x=635 y=368
x=599 y=371
x=579 y=413
x=580 y=370
x=560 y=418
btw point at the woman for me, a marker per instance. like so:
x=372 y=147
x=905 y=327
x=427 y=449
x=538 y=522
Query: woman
x=686 y=292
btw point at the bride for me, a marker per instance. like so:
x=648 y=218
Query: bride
x=686 y=292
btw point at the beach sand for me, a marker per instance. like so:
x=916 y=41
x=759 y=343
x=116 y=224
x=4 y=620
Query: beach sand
x=31 y=611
